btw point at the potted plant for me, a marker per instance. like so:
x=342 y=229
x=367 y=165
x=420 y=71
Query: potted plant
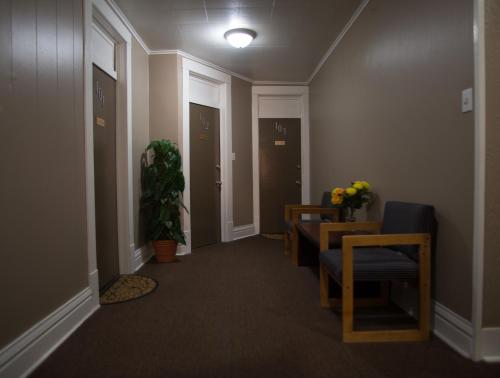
x=162 y=198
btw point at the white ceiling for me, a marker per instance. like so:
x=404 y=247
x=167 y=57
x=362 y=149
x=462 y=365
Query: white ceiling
x=292 y=35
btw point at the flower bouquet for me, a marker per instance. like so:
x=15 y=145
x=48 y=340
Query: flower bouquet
x=352 y=198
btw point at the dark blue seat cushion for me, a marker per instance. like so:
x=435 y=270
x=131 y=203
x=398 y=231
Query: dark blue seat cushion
x=408 y=218
x=372 y=264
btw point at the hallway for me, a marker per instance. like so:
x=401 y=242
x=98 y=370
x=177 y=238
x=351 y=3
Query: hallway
x=239 y=309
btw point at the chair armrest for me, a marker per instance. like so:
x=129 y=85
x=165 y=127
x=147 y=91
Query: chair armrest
x=289 y=207
x=326 y=228
x=297 y=212
x=350 y=241
x=385 y=240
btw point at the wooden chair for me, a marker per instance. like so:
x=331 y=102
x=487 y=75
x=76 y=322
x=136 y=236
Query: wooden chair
x=293 y=215
x=400 y=251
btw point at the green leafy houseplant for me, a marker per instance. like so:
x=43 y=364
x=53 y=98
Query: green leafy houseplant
x=162 y=193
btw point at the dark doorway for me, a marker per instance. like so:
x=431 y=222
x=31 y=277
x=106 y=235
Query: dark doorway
x=104 y=95
x=280 y=170
x=205 y=175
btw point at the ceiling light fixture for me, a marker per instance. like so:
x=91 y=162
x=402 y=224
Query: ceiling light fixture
x=240 y=38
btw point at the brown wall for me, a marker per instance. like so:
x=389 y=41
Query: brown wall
x=386 y=108
x=241 y=93
x=164 y=97
x=140 y=129
x=42 y=194
x=491 y=309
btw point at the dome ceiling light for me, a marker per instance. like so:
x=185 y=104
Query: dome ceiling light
x=240 y=38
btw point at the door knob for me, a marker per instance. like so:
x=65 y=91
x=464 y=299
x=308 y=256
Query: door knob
x=298 y=166
x=298 y=182
x=218 y=184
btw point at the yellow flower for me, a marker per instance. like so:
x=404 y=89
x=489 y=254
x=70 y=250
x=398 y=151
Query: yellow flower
x=337 y=200
x=358 y=185
x=351 y=191
x=366 y=185
x=337 y=192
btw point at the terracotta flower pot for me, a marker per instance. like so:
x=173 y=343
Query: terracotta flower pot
x=165 y=250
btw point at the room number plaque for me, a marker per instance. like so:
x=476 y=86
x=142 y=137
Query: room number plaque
x=100 y=122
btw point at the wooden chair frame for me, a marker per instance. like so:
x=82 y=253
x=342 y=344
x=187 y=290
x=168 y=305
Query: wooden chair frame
x=351 y=241
x=293 y=213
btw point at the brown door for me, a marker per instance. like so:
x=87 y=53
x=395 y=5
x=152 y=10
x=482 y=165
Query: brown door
x=105 y=177
x=205 y=175
x=280 y=170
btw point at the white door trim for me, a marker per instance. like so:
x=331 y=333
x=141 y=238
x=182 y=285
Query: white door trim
x=99 y=11
x=479 y=177
x=302 y=94
x=211 y=76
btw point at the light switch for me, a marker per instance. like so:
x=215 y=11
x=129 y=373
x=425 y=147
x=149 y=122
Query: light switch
x=467 y=100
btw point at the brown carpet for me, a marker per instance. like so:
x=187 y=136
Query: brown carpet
x=238 y=310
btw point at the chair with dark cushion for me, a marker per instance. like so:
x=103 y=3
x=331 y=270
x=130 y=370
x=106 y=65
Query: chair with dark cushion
x=397 y=249
x=293 y=215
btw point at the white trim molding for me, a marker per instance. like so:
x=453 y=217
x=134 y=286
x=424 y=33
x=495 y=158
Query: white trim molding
x=453 y=329
x=279 y=83
x=24 y=354
x=479 y=176
x=142 y=256
x=339 y=38
x=112 y=4
x=201 y=61
x=300 y=93
x=245 y=231
x=128 y=24
x=99 y=11
x=490 y=344
x=222 y=81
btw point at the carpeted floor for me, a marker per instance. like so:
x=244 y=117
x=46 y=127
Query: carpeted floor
x=238 y=310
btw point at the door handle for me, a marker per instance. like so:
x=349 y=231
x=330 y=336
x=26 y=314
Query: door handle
x=298 y=182
x=218 y=184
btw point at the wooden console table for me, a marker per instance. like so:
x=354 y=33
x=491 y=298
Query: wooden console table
x=308 y=243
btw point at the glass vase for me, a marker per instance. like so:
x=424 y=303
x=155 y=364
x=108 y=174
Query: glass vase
x=349 y=214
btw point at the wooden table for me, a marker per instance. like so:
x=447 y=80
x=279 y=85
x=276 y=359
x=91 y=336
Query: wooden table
x=308 y=243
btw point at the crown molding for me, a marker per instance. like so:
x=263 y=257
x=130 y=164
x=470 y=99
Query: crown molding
x=339 y=38
x=202 y=61
x=281 y=83
x=128 y=24
x=329 y=52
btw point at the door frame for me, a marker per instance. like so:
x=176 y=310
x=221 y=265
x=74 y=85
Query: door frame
x=99 y=11
x=288 y=102
x=221 y=83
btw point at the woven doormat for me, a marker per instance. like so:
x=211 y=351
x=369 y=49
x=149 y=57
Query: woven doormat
x=127 y=288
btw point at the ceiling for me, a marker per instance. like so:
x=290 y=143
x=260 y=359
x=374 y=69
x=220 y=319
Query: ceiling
x=292 y=35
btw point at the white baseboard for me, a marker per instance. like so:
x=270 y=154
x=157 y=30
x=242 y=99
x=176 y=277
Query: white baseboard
x=453 y=329
x=228 y=235
x=142 y=256
x=185 y=249
x=240 y=232
x=94 y=287
x=24 y=354
x=490 y=344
